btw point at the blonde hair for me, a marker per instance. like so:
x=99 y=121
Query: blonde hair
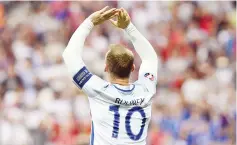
x=119 y=61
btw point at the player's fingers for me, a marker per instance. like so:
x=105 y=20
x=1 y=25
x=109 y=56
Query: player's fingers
x=104 y=9
x=120 y=15
x=113 y=22
x=109 y=12
x=124 y=14
x=127 y=17
x=112 y=16
x=123 y=10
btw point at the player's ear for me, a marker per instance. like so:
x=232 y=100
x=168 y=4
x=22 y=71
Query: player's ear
x=133 y=67
x=106 y=68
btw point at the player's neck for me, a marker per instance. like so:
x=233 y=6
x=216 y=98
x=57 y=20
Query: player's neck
x=123 y=82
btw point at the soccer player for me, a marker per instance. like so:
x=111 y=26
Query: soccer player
x=121 y=110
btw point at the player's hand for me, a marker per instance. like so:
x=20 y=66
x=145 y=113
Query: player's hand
x=123 y=19
x=102 y=15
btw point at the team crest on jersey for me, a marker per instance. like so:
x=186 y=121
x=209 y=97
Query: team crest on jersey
x=149 y=76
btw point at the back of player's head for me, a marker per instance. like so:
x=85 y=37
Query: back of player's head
x=119 y=61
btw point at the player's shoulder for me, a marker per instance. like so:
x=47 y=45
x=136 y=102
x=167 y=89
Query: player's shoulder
x=88 y=82
x=98 y=82
x=147 y=81
x=140 y=86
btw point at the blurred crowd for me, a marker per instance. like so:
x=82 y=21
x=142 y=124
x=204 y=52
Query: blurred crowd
x=196 y=43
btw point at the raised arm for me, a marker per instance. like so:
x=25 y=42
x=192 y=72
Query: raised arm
x=72 y=55
x=144 y=50
x=140 y=43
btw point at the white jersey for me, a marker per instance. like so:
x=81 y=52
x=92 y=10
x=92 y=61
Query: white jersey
x=120 y=114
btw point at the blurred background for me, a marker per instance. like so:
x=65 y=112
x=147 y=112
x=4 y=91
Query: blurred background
x=196 y=43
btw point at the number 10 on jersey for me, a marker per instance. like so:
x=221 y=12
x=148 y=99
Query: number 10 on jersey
x=115 y=132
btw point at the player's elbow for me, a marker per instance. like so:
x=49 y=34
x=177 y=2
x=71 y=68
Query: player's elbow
x=152 y=60
x=151 y=54
x=152 y=57
x=155 y=59
x=66 y=54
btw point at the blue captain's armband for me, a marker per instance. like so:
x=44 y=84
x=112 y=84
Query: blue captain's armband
x=82 y=76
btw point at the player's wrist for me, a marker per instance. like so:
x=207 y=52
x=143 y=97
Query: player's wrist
x=130 y=27
x=88 y=23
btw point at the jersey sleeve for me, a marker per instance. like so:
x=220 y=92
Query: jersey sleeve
x=81 y=76
x=148 y=77
x=88 y=82
x=149 y=66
